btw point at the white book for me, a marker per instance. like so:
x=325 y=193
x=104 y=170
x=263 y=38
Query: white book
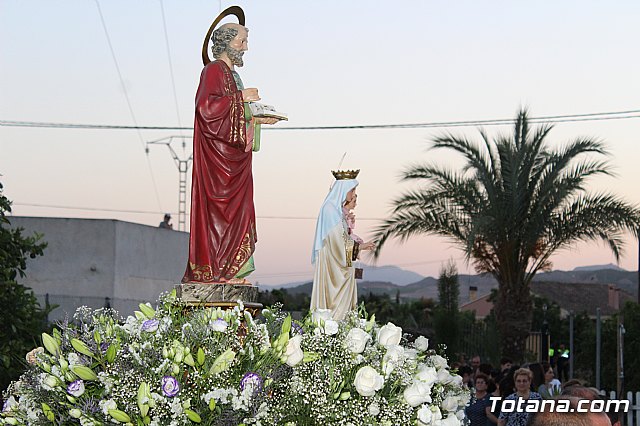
x=262 y=110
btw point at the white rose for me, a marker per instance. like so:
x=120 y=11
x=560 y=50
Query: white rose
x=450 y=421
x=330 y=327
x=418 y=393
x=422 y=343
x=389 y=334
x=439 y=362
x=321 y=315
x=444 y=376
x=356 y=340
x=393 y=358
x=411 y=354
x=428 y=375
x=450 y=403
x=425 y=415
x=368 y=381
x=293 y=352
x=456 y=380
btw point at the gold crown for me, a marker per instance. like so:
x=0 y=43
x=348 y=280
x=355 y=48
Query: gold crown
x=345 y=174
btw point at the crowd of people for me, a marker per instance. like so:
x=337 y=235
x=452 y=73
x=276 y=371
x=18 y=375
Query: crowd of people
x=491 y=388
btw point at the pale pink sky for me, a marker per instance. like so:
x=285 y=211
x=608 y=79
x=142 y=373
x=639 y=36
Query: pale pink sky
x=325 y=63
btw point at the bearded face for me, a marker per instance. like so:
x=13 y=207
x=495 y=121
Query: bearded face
x=235 y=56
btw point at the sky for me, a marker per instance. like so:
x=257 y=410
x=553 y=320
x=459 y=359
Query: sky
x=324 y=63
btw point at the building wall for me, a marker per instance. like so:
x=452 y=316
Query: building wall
x=89 y=260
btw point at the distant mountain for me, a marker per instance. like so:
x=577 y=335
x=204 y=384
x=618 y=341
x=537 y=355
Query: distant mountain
x=428 y=287
x=386 y=273
x=599 y=267
x=390 y=273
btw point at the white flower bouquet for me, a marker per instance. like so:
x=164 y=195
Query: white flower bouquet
x=179 y=366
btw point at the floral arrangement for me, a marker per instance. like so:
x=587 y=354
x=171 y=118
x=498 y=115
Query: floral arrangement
x=176 y=365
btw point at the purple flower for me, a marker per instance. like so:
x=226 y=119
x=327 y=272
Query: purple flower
x=252 y=383
x=9 y=403
x=219 y=325
x=104 y=346
x=170 y=386
x=296 y=329
x=76 y=388
x=150 y=325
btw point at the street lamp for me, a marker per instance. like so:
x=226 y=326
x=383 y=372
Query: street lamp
x=545 y=335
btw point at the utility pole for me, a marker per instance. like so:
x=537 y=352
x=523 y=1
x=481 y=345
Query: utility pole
x=598 y=346
x=620 y=357
x=183 y=168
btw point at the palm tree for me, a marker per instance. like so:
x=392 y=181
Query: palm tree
x=515 y=202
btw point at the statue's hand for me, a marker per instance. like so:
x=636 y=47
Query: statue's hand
x=368 y=246
x=266 y=120
x=250 y=95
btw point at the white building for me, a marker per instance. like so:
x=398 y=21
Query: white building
x=95 y=262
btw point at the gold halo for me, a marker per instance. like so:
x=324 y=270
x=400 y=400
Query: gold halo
x=233 y=10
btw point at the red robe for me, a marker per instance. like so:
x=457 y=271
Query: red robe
x=223 y=231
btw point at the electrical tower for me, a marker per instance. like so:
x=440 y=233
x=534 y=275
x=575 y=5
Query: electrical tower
x=183 y=168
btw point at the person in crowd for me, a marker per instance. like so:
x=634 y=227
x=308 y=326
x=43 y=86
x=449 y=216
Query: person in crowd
x=487 y=369
x=522 y=378
x=551 y=386
x=538 y=376
x=563 y=363
x=475 y=363
x=476 y=411
x=492 y=414
x=505 y=364
x=467 y=375
x=166 y=222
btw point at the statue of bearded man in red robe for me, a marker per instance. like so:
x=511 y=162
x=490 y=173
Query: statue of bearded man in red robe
x=223 y=220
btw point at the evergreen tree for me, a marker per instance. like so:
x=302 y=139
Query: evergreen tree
x=22 y=320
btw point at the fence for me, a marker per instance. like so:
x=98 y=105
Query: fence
x=631 y=417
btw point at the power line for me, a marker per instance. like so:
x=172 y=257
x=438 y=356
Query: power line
x=126 y=96
x=101 y=209
x=173 y=80
x=566 y=118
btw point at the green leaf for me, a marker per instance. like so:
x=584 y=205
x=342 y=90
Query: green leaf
x=111 y=353
x=120 y=416
x=147 y=310
x=201 y=356
x=81 y=347
x=222 y=362
x=50 y=344
x=286 y=325
x=49 y=414
x=310 y=356
x=188 y=359
x=97 y=337
x=85 y=373
x=143 y=393
x=192 y=415
x=212 y=404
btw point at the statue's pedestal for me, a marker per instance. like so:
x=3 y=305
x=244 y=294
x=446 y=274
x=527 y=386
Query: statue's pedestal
x=219 y=295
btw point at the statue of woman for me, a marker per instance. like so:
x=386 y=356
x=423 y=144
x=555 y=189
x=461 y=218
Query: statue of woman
x=335 y=250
